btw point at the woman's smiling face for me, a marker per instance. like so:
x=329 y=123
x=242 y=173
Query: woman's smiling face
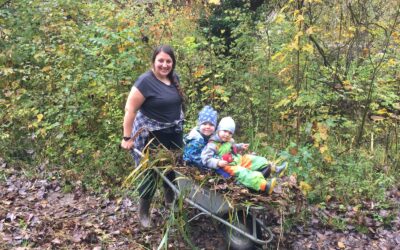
x=162 y=65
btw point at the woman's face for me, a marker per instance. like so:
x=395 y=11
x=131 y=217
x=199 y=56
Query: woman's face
x=162 y=65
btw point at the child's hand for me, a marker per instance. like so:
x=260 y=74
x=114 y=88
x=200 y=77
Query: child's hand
x=223 y=163
x=245 y=146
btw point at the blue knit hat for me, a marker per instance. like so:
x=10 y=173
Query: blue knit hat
x=208 y=114
x=227 y=123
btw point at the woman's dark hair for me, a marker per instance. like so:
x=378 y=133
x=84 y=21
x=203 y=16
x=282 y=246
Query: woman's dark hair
x=171 y=76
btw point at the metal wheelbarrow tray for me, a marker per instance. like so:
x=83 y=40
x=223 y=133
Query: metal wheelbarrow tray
x=239 y=225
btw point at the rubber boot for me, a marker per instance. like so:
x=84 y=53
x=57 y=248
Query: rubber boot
x=266 y=171
x=279 y=170
x=169 y=197
x=270 y=186
x=144 y=212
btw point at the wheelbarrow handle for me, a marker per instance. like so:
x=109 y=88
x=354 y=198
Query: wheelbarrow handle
x=137 y=151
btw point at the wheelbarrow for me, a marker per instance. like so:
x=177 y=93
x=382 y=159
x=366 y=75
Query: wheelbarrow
x=240 y=226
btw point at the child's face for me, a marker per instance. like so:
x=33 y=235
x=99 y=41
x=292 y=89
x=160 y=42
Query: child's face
x=225 y=135
x=207 y=128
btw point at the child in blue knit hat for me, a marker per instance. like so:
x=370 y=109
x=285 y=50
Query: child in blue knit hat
x=198 y=137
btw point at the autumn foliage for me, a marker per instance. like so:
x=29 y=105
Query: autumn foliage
x=314 y=83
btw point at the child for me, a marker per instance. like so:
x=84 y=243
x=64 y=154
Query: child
x=221 y=152
x=198 y=137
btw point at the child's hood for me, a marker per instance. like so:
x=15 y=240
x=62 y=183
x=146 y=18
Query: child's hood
x=194 y=134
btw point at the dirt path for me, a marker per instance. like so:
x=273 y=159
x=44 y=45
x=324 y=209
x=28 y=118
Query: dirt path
x=38 y=214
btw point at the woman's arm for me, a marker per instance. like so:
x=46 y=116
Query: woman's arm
x=133 y=103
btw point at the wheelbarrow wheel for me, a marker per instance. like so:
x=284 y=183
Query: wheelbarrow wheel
x=234 y=239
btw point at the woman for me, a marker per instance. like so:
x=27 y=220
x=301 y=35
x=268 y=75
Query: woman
x=155 y=102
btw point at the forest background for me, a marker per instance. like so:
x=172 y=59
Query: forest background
x=311 y=82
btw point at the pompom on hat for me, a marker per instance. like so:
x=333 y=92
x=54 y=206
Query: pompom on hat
x=208 y=114
x=227 y=123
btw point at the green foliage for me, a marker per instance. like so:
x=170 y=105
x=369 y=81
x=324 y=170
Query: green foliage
x=302 y=160
x=69 y=72
x=316 y=87
x=351 y=179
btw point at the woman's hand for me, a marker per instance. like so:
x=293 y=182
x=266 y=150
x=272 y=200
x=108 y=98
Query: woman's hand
x=127 y=144
x=222 y=163
x=245 y=146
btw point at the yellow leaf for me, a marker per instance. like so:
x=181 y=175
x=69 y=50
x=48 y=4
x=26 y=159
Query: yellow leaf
x=328 y=158
x=198 y=73
x=391 y=62
x=279 y=18
x=279 y=56
x=225 y=99
x=328 y=198
x=46 y=69
x=189 y=40
x=310 y=31
x=346 y=82
x=341 y=245
x=216 y=2
x=299 y=19
x=323 y=149
x=39 y=117
x=6 y=31
x=377 y=118
x=308 y=48
x=119 y=200
x=42 y=131
x=348 y=87
x=61 y=50
x=79 y=151
x=282 y=103
x=8 y=71
x=298 y=35
x=305 y=187
x=323 y=132
x=381 y=112
x=294 y=45
x=352 y=28
x=283 y=71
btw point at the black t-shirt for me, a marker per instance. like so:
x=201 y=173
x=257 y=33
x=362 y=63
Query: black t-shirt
x=163 y=102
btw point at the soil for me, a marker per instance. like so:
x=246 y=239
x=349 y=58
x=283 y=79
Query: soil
x=42 y=212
